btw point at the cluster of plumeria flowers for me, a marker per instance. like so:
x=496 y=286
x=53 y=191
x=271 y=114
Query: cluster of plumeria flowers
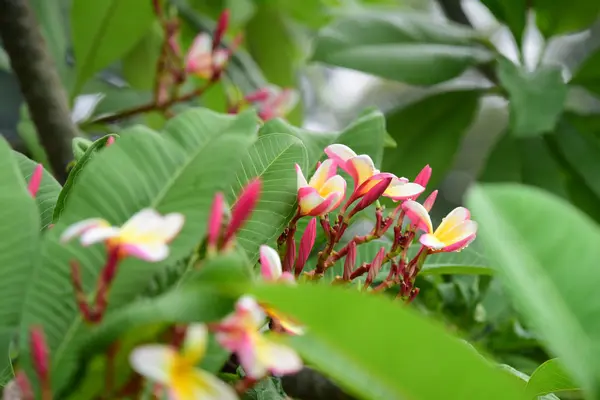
x=147 y=236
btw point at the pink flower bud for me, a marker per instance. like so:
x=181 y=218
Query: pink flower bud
x=423 y=176
x=258 y=96
x=372 y=195
x=350 y=261
x=36 y=179
x=242 y=209
x=110 y=140
x=24 y=385
x=39 y=352
x=290 y=256
x=222 y=25
x=215 y=220
x=430 y=200
x=375 y=266
x=306 y=244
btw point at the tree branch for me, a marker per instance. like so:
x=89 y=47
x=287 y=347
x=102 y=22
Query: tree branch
x=39 y=82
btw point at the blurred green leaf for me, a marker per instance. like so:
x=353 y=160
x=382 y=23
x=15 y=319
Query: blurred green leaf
x=517 y=225
x=74 y=174
x=550 y=377
x=497 y=169
x=268 y=388
x=19 y=248
x=539 y=165
x=536 y=98
x=103 y=31
x=409 y=48
x=47 y=193
x=466 y=262
x=140 y=63
x=588 y=73
x=429 y=132
x=512 y=13
x=370 y=368
x=28 y=133
x=4 y=61
x=560 y=17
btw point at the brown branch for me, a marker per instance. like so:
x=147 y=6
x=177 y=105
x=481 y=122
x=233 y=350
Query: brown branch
x=39 y=82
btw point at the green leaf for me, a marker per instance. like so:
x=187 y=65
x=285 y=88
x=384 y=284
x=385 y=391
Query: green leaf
x=140 y=63
x=48 y=192
x=467 y=262
x=4 y=61
x=272 y=46
x=267 y=389
x=588 y=73
x=28 y=133
x=272 y=159
x=103 y=31
x=550 y=377
x=19 y=240
x=369 y=369
x=429 y=132
x=517 y=225
x=536 y=98
x=80 y=146
x=74 y=174
x=176 y=171
x=405 y=47
x=559 y=17
x=512 y=13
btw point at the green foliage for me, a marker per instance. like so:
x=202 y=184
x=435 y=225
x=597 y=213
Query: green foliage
x=513 y=13
x=559 y=17
x=138 y=62
x=404 y=47
x=588 y=73
x=550 y=377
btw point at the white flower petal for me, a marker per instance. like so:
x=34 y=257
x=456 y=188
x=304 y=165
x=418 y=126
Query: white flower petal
x=82 y=226
x=95 y=235
x=153 y=362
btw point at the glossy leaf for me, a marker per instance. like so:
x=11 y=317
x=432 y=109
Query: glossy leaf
x=104 y=31
x=560 y=17
x=536 y=98
x=429 y=132
x=517 y=225
x=512 y=13
x=370 y=368
x=405 y=47
x=588 y=73
x=192 y=160
x=550 y=377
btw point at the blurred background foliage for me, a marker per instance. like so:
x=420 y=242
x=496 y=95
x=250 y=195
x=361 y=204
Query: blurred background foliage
x=482 y=90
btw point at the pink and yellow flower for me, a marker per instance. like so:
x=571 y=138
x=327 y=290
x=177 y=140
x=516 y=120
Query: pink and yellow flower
x=323 y=193
x=455 y=232
x=273 y=102
x=177 y=371
x=202 y=61
x=258 y=354
x=362 y=170
x=145 y=235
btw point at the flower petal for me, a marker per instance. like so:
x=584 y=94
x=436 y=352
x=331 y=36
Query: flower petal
x=329 y=203
x=199 y=57
x=423 y=177
x=308 y=200
x=459 y=237
x=325 y=171
x=153 y=362
x=171 y=225
x=82 y=226
x=418 y=215
x=95 y=235
x=399 y=190
x=270 y=263
x=286 y=101
x=278 y=358
x=248 y=357
x=454 y=218
x=210 y=387
x=300 y=179
x=247 y=304
x=429 y=240
x=339 y=153
x=146 y=251
x=194 y=344
x=430 y=200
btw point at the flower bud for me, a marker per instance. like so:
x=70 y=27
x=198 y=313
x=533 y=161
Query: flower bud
x=306 y=244
x=243 y=207
x=36 y=179
x=222 y=24
x=39 y=353
x=214 y=221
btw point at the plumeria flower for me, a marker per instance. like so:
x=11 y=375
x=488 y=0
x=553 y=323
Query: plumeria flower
x=177 y=371
x=257 y=353
x=145 y=235
x=362 y=170
x=455 y=232
x=273 y=102
x=202 y=61
x=271 y=271
x=323 y=193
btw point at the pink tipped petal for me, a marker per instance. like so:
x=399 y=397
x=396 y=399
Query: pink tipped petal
x=243 y=207
x=215 y=219
x=460 y=244
x=430 y=241
x=361 y=168
x=300 y=179
x=151 y=252
x=454 y=218
x=459 y=232
x=81 y=227
x=287 y=277
x=324 y=172
x=339 y=153
x=308 y=200
x=270 y=263
x=399 y=190
x=247 y=353
x=95 y=235
x=194 y=344
x=36 y=179
x=153 y=362
x=423 y=176
x=418 y=215
x=280 y=359
x=306 y=244
x=430 y=200
x=199 y=57
x=326 y=205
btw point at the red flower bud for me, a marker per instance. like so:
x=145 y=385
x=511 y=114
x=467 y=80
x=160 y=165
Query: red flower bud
x=222 y=25
x=39 y=353
x=306 y=244
x=372 y=195
x=423 y=176
x=242 y=209
x=350 y=261
x=430 y=200
x=375 y=266
x=110 y=140
x=215 y=220
x=36 y=179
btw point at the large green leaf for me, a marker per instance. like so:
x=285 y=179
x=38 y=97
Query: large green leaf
x=536 y=98
x=140 y=63
x=558 y=17
x=550 y=377
x=406 y=47
x=19 y=249
x=363 y=343
x=513 y=13
x=272 y=159
x=48 y=192
x=103 y=31
x=178 y=171
x=549 y=272
x=468 y=261
x=588 y=73
x=429 y=132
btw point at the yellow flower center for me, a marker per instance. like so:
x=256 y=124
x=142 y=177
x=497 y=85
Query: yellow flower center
x=185 y=380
